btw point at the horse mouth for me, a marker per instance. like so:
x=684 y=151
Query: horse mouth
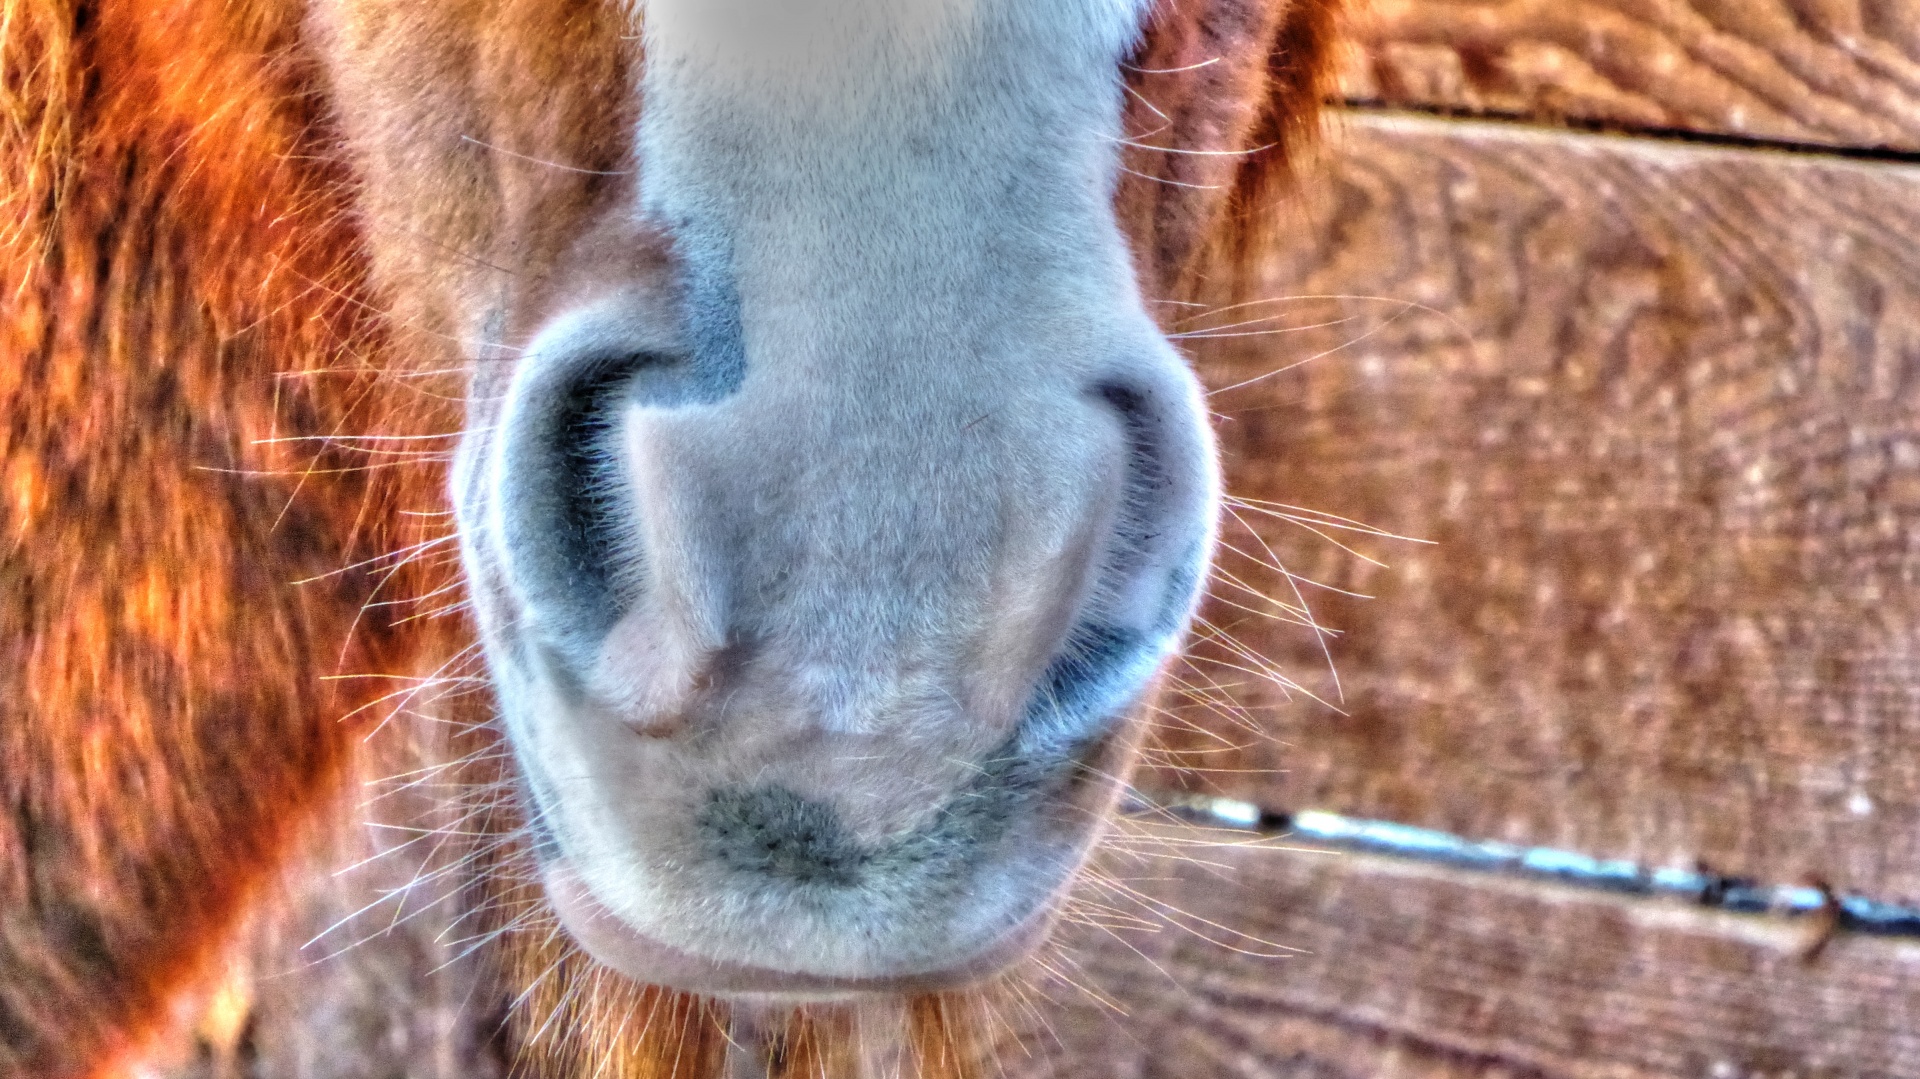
x=610 y=940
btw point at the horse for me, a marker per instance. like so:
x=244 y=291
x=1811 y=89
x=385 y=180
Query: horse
x=782 y=382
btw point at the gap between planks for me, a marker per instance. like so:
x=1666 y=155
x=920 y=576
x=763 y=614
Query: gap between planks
x=1587 y=126
x=1333 y=832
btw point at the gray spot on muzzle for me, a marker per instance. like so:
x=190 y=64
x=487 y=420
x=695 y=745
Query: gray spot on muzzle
x=773 y=832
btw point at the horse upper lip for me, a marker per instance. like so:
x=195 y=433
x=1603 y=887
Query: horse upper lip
x=609 y=939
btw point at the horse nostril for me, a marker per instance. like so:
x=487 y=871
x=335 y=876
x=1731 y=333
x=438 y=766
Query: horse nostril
x=585 y=425
x=1162 y=530
x=563 y=496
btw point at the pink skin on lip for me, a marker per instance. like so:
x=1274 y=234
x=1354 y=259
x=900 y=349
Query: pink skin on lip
x=620 y=946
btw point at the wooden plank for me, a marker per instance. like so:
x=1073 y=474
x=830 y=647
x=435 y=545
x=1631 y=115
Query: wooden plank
x=1407 y=970
x=1658 y=408
x=1805 y=71
x=1313 y=965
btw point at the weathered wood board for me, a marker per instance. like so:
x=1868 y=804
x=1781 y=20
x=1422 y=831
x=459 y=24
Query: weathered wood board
x=1658 y=407
x=1406 y=971
x=1803 y=71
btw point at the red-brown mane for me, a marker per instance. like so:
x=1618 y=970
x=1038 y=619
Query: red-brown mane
x=188 y=299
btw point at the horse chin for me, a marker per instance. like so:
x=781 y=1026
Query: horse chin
x=805 y=883
x=616 y=944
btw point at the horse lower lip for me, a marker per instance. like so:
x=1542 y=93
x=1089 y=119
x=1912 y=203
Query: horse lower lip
x=607 y=938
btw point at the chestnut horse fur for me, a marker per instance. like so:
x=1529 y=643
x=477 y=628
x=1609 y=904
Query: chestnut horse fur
x=206 y=296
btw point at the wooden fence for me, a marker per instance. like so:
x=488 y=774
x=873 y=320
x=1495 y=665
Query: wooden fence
x=1617 y=302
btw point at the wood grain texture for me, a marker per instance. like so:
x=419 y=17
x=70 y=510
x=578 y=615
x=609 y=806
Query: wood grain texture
x=1658 y=408
x=1405 y=971
x=1315 y=966
x=1840 y=72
